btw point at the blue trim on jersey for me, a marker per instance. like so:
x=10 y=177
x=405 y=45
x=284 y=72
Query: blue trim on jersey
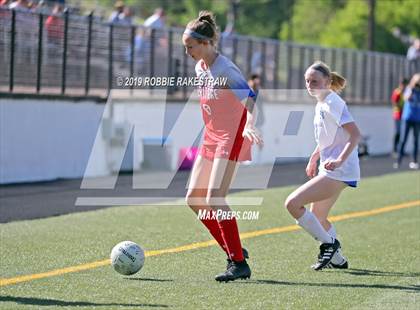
x=241 y=90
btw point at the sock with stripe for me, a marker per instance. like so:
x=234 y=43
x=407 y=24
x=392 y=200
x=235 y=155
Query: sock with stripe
x=338 y=257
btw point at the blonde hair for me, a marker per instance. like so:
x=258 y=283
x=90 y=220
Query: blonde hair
x=338 y=83
x=205 y=25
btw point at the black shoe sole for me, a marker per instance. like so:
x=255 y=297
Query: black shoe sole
x=228 y=280
x=334 y=266
x=342 y=266
x=239 y=271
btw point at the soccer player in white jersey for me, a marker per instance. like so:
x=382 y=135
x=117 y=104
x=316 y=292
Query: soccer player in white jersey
x=337 y=137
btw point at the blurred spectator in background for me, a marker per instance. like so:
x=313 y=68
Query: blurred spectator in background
x=413 y=55
x=157 y=20
x=411 y=118
x=397 y=100
x=141 y=48
x=227 y=35
x=4 y=3
x=115 y=15
x=20 y=5
x=256 y=61
x=4 y=14
x=126 y=17
x=254 y=82
x=122 y=14
x=41 y=7
x=25 y=34
x=230 y=26
x=54 y=25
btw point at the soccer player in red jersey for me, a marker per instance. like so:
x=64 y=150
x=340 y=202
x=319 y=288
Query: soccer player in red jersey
x=228 y=114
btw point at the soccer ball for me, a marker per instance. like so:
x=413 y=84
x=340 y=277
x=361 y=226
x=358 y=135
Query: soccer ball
x=127 y=258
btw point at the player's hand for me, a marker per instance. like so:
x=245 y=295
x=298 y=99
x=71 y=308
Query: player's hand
x=311 y=169
x=332 y=164
x=252 y=134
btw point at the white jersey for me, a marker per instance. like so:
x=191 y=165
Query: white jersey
x=330 y=115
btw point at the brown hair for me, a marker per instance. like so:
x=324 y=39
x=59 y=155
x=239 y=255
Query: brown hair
x=205 y=25
x=337 y=81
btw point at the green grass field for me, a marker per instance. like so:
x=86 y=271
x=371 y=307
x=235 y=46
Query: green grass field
x=383 y=251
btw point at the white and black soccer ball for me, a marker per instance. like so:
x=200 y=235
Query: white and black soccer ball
x=127 y=258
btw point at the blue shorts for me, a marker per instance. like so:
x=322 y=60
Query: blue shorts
x=351 y=183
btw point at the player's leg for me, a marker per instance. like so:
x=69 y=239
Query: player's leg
x=321 y=210
x=317 y=189
x=221 y=177
x=397 y=135
x=416 y=128
x=407 y=126
x=196 y=198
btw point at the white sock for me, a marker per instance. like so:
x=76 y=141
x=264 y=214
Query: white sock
x=332 y=232
x=310 y=223
x=338 y=257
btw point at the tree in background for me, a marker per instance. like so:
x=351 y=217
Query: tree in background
x=344 y=23
x=262 y=18
x=178 y=13
x=332 y=23
x=349 y=27
x=309 y=20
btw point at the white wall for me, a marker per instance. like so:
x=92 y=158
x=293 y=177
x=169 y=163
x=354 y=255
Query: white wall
x=44 y=139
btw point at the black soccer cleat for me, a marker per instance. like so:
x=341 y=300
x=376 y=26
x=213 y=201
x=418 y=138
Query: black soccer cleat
x=244 y=253
x=327 y=251
x=236 y=270
x=314 y=265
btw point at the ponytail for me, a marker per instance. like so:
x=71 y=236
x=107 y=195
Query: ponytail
x=203 y=27
x=337 y=82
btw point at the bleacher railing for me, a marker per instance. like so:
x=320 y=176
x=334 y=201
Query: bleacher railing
x=75 y=55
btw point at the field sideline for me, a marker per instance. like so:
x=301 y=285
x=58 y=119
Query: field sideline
x=382 y=246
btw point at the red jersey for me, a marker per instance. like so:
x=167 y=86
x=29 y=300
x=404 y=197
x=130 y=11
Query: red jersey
x=397 y=103
x=222 y=90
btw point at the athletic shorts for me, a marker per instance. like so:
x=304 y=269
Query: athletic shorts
x=238 y=152
x=351 y=183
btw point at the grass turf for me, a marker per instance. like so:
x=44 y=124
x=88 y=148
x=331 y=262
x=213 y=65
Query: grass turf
x=382 y=249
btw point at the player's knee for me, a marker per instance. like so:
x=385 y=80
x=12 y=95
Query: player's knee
x=291 y=203
x=214 y=199
x=193 y=200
